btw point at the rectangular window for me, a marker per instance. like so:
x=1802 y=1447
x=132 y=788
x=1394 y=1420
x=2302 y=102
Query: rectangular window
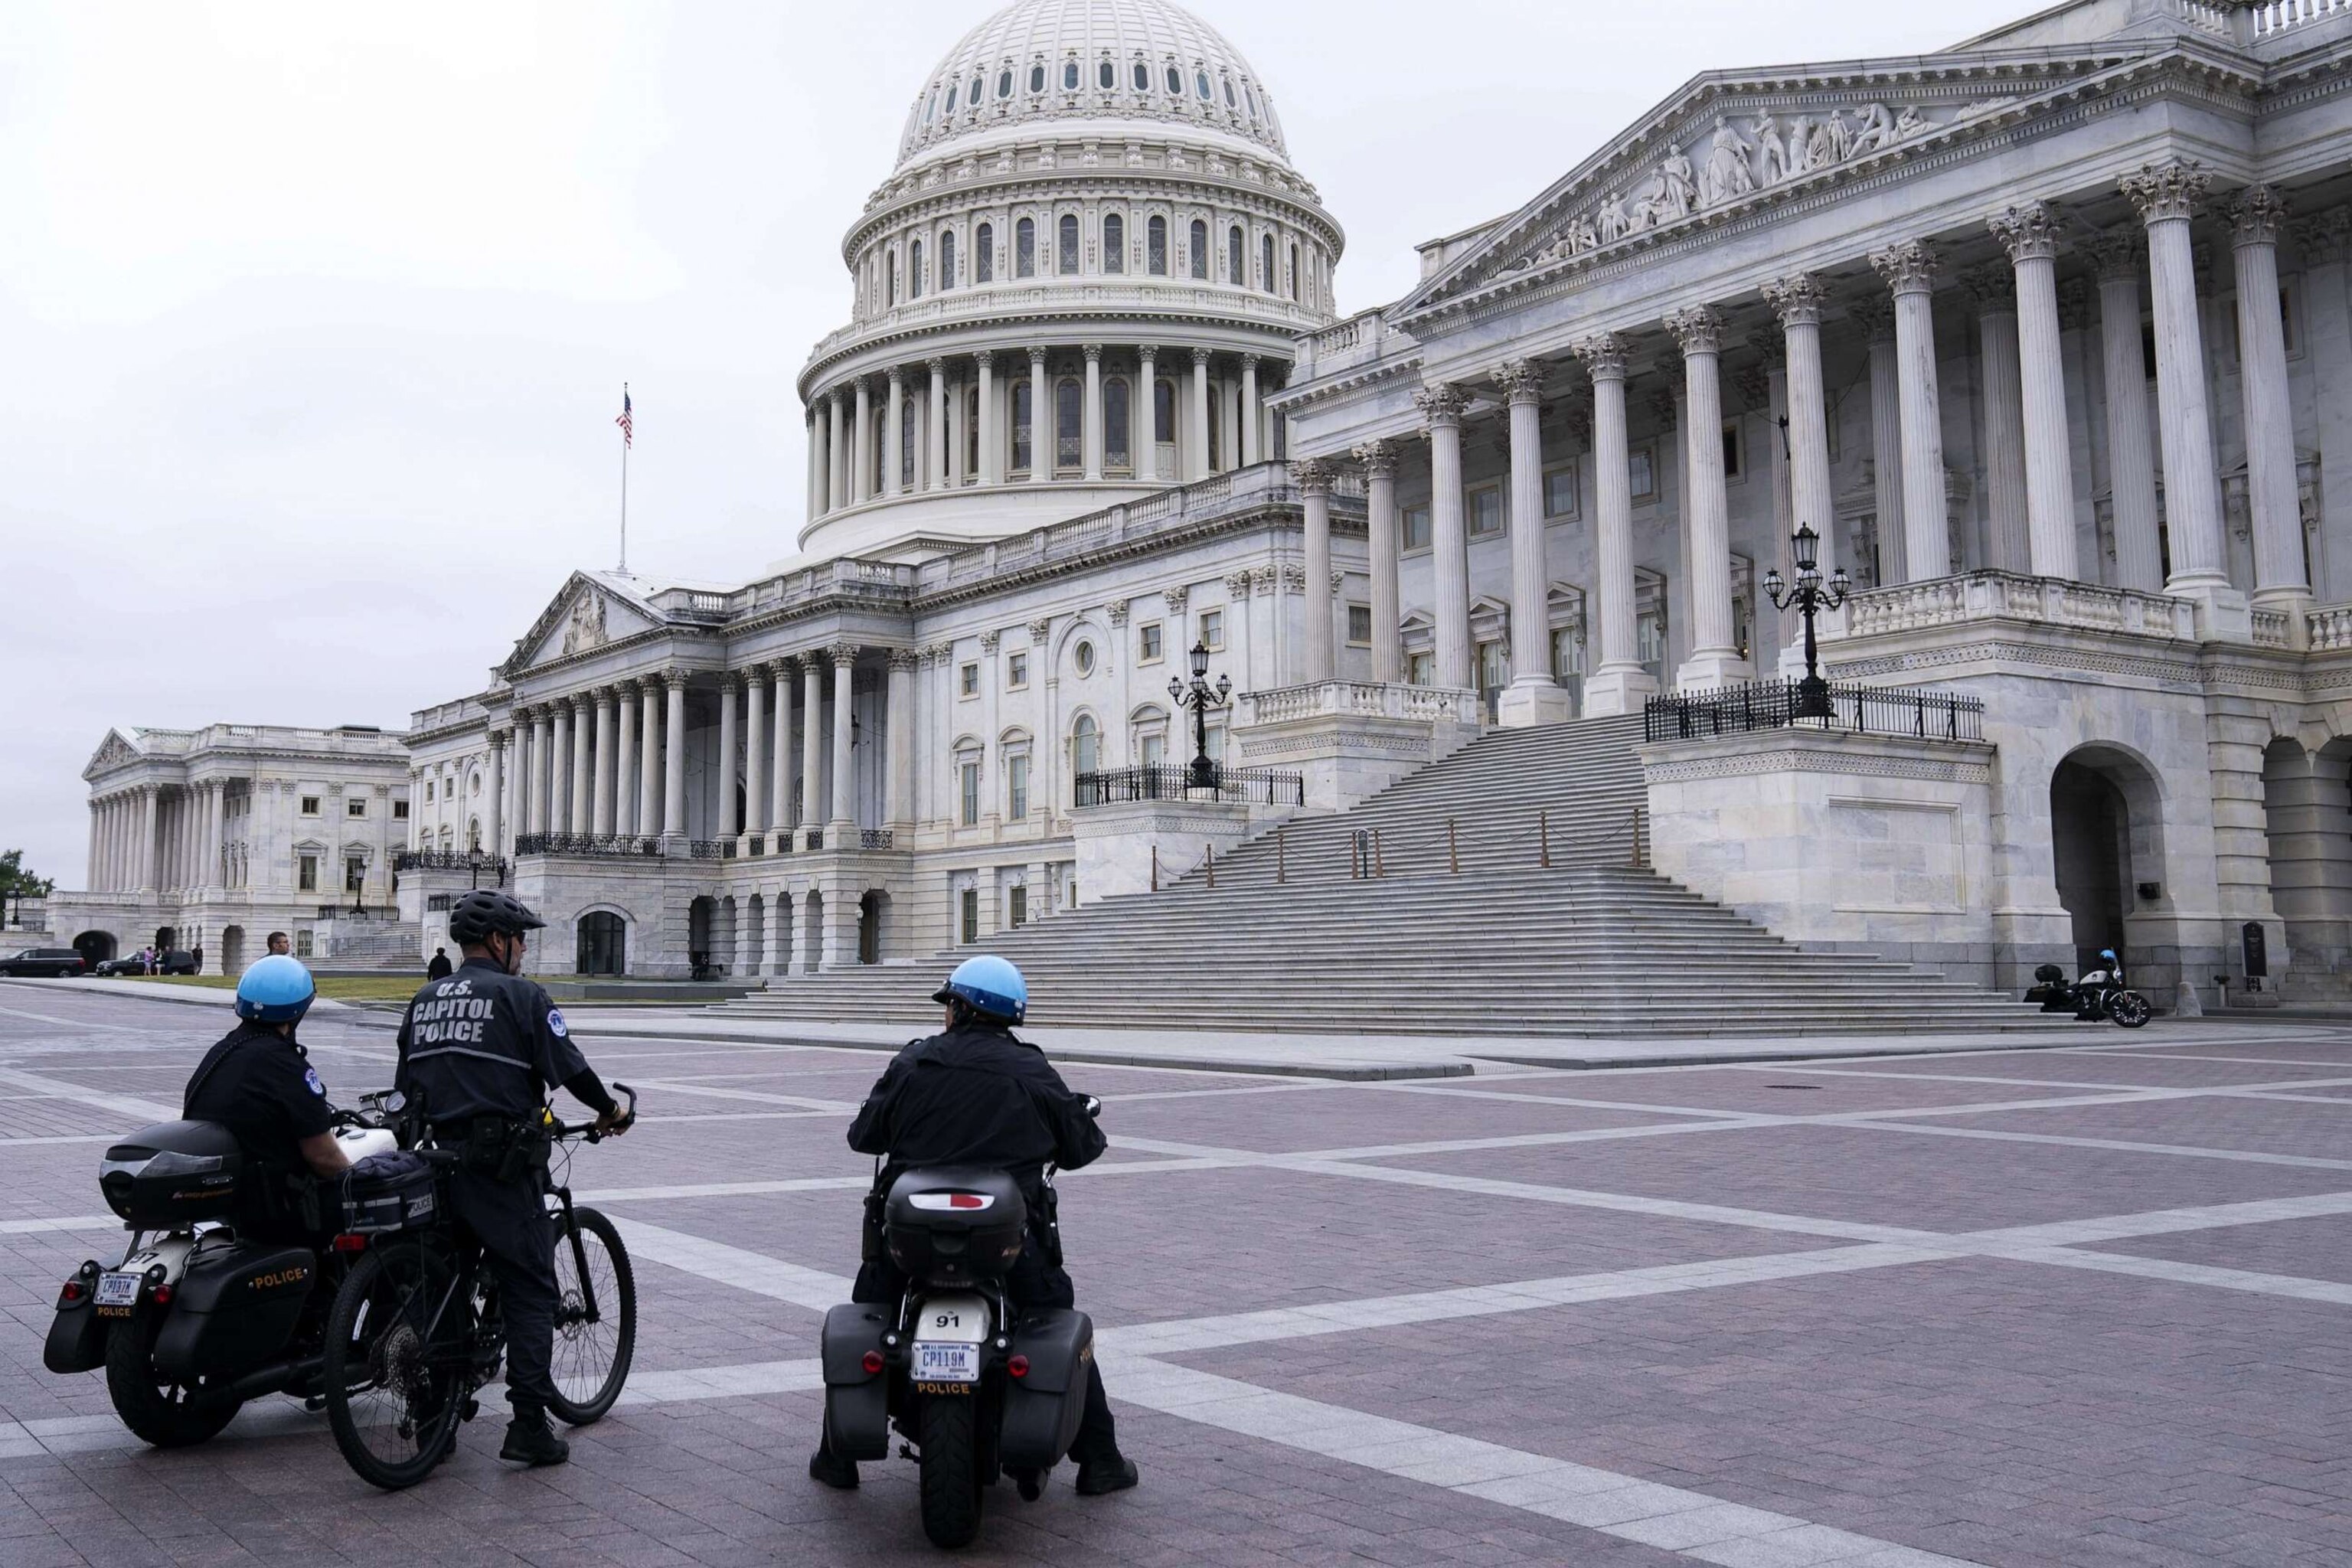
x=1016 y=903
x=969 y=915
x=1421 y=670
x=968 y=784
x=355 y=807
x=1650 y=641
x=428 y=792
x=1486 y=511
x=1493 y=667
x=1734 y=450
x=1559 y=492
x=1155 y=750
x=1016 y=671
x=1359 y=626
x=1645 y=473
x=1147 y=644
x=1414 y=524
x=306 y=876
x=968 y=680
x=1567 y=654
x=1016 y=789
x=399 y=811
x=1213 y=630
x=310 y=806
x=302 y=943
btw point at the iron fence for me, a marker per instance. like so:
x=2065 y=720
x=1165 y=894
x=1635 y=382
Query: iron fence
x=710 y=850
x=590 y=846
x=1170 y=781
x=877 y=839
x=1853 y=711
x=446 y=860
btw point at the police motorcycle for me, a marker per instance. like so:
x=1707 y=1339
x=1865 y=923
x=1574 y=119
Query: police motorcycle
x=194 y=1319
x=2099 y=994
x=979 y=1385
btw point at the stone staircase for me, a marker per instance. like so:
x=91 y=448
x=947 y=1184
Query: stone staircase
x=377 y=949
x=1430 y=910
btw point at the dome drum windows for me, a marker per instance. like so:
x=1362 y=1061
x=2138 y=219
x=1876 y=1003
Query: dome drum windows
x=1066 y=253
x=1037 y=78
x=983 y=253
x=1175 y=83
x=1024 y=248
x=1069 y=443
x=947 y=260
x=1024 y=427
x=1114 y=243
x=1069 y=75
x=1199 y=256
x=1236 y=258
x=1155 y=247
x=1269 y=281
x=1107 y=76
x=1117 y=448
x=1142 y=76
x=915 y=271
x=1201 y=85
x=1005 y=83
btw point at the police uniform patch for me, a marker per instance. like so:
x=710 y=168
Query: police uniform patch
x=556 y=1025
x=310 y=1077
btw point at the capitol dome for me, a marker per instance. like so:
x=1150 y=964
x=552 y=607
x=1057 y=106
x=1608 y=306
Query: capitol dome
x=1087 y=269
x=1130 y=61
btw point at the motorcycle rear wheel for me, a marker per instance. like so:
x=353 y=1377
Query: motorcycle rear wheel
x=164 y=1413
x=2129 y=1008
x=946 y=1426
x=394 y=1377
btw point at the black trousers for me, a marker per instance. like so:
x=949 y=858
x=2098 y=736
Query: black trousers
x=1033 y=1282
x=510 y=1219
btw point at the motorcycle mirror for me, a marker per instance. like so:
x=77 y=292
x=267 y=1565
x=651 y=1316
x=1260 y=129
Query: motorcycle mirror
x=1094 y=1106
x=393 y=1100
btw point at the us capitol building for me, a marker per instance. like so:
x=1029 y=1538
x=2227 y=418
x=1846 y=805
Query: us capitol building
x=2048 y=336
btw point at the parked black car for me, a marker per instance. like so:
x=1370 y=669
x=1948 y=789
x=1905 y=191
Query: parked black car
x=174 y=961
x=59 y=961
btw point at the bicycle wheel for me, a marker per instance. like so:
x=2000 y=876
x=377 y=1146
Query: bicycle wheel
x=395 y=1363
x=592 y=1352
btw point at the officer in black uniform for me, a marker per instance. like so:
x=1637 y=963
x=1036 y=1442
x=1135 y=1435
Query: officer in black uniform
x=481 y=1050
x=977 y=1096
x=257 y=1082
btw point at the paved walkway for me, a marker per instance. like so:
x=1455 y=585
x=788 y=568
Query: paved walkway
x=2081 y=1306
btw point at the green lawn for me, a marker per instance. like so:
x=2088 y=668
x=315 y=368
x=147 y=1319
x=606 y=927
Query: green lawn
x=349 y=988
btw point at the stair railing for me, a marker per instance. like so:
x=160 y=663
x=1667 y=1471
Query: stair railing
x=1423 y=850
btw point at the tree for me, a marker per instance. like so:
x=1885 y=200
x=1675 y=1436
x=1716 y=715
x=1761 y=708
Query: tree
x=17 y=882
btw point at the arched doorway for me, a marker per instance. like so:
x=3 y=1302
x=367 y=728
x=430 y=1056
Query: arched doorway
x=166 y=938
x=603 y=943
x=95 y=947
x=812 y=929
x=701 y=921
x=2106 y=825
x=872 y=911
x=232 y=950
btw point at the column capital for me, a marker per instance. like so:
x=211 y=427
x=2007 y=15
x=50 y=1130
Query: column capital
x=2170 y=189
x=1796 y=299
x=1039 y=629
x=1442 y=404
x=1251 y=362
x=905 y=658
x=582 y=701
x=730 y=683
x=1116 y=610
x=1521 y=380
x=1603 y=355
x=1909 y=267
x=675 y=679
x=1200 y=358
x=2029 y=231
x=756 y=677
x=989 y=639
x=941 y=652
x=2117 y=253
x=1312 y=476
x=1378 y=457
x=1094 y=353
x=938 y=365
x=1697 y=330
x=1993 y=287
x=2255 y=213
x=1147 y=352
x=498 y=738
x=2323 y=236
x=984 y=359
x=1037 y=360
x=1875 y=314
x=843 y=654
x=1177 y=598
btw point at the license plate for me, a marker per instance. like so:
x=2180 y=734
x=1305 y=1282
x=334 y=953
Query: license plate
x=946 y=1363
x=117 y=1290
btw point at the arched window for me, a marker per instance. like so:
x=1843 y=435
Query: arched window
x=1200 y=250
x=983 y=253
x=953 y=87
x=891 y=265
x=1164 y=412
x=1024 y=248
x=1246 y=93
x=602 y=943
x=1005 y=83
x=1294 y=271
x=1175 y=83
x=1037 y=78
x=1086 y=746
x=1155 y=255
x=1069 y=75
x=947 y=260
x=1201 y=84
x=915 y=271
x=1236 y=266
x=907 y=445
x=1114 y=243
x=1142 y=76
x=972 y=433
x=1116 y=451
x=1069 y=258
x=1069 y=449
x=1020 y=425
x=1106 y=75
x=1272 y=281
x=972 y=98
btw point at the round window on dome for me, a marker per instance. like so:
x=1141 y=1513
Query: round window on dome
x=1142 y=76
x=1069 y=75
x=1201 y=85
x=1175 y=83
x=1005 y=85
x=1036 y=78
x=1106 y=75
x=1083 y=658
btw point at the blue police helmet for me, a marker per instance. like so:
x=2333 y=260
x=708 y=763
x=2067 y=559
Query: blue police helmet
x=275 y=990
x=988 y=984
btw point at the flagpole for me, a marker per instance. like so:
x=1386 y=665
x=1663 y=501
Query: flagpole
x=624 y=487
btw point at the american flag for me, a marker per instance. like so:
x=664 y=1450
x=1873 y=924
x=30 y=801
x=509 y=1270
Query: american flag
x=628 y=421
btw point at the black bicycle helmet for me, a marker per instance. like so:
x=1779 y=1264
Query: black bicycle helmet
x=477 y=916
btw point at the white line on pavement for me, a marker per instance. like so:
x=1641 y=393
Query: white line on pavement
x=128 y=1105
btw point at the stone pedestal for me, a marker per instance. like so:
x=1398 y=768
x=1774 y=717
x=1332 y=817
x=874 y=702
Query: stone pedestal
x=1532 y=699
x=1118 y=845
x=1349 y=740
x=1609 y=692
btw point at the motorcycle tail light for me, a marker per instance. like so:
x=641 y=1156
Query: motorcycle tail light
x=162 y=1297
x=872 y=1362
x=1018 y=1366
x=349 y=1243
x=72 y=1293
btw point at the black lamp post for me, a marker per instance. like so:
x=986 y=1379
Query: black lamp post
x=1200 y=697
x=1810 y=596
x=474 y=864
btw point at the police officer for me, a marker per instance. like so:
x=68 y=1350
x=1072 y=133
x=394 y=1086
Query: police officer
x=481 y=1049
x=259 y=1083
x=976 y=1096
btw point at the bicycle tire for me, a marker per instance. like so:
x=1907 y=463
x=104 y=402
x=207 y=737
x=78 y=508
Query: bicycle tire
x=578 y=1340
x=368 y=1348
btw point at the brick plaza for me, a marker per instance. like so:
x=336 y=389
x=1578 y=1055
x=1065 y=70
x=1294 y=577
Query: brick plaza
x=2084 y=1305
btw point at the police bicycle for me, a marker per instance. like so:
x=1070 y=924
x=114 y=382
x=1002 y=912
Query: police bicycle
x=416 y=1328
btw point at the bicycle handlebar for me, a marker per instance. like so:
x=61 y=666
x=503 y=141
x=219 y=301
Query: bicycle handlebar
x=589 y=1131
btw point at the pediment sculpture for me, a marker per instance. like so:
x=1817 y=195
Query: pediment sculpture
x=585 y=630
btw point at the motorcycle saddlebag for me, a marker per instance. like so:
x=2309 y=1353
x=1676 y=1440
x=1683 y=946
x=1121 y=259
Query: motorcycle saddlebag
x=387 y=1192
x=77 y=1340
x=856 y=1402
x=172 y=1174
x=234 y=1308
x=1041 y=1409
x=954 y=1226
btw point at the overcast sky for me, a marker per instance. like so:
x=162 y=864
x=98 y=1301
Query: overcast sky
x=314 y=318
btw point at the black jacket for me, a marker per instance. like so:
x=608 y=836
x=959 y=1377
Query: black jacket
x=487 y=1043
x=976 y=1096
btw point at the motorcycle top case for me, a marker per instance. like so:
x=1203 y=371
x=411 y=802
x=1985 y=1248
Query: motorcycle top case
x=856 y=1402
x=236 y=1307
x=954 y=1226
x=172 y=1174
x=1042 y=1408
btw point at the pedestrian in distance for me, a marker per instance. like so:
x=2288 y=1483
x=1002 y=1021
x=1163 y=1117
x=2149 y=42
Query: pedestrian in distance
x=440 y=967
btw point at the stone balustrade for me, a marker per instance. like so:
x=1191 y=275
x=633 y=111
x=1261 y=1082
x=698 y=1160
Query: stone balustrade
x=2331 y=628
x=1359 y=339
x=2267 y=18
x=2006 y=596
x=1359 y=698
x=2272 y=629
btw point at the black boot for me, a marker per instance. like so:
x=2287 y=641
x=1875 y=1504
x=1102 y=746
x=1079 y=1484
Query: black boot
x=531 y=1441
x=1097 y=1477
x=839 y=1474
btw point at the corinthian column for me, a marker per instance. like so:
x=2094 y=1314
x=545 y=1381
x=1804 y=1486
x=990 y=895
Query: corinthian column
x=845 y=779
x=601 y=764
x=861 y=463
x=584 y=764
x=649 y=768
x=992 y=444
x=1533 y=697
x=894 y=433
x=1042 y=454
x=2281 y=582
x=1313 y=481
x=497 y=792
x=1090 y=434
x=2009 y=546
x=2116 y=258
x=2166 y=195
x=1875 y=315
x=755 y=750
x=1196 y=442
x=730 y=699
x=937 y=430
x=1706 y=509
x=674 y=758
x=2029 y=234
x=543 y=774
x=780 y=758
x=558 y=772
x=624 y=768
x=812 y=744
x=898 y=742
x=1619 y=684
x=1143 y=415
x=1441 y=407
x=1380 y=460
x=1249 y=442
x=1909 y=269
